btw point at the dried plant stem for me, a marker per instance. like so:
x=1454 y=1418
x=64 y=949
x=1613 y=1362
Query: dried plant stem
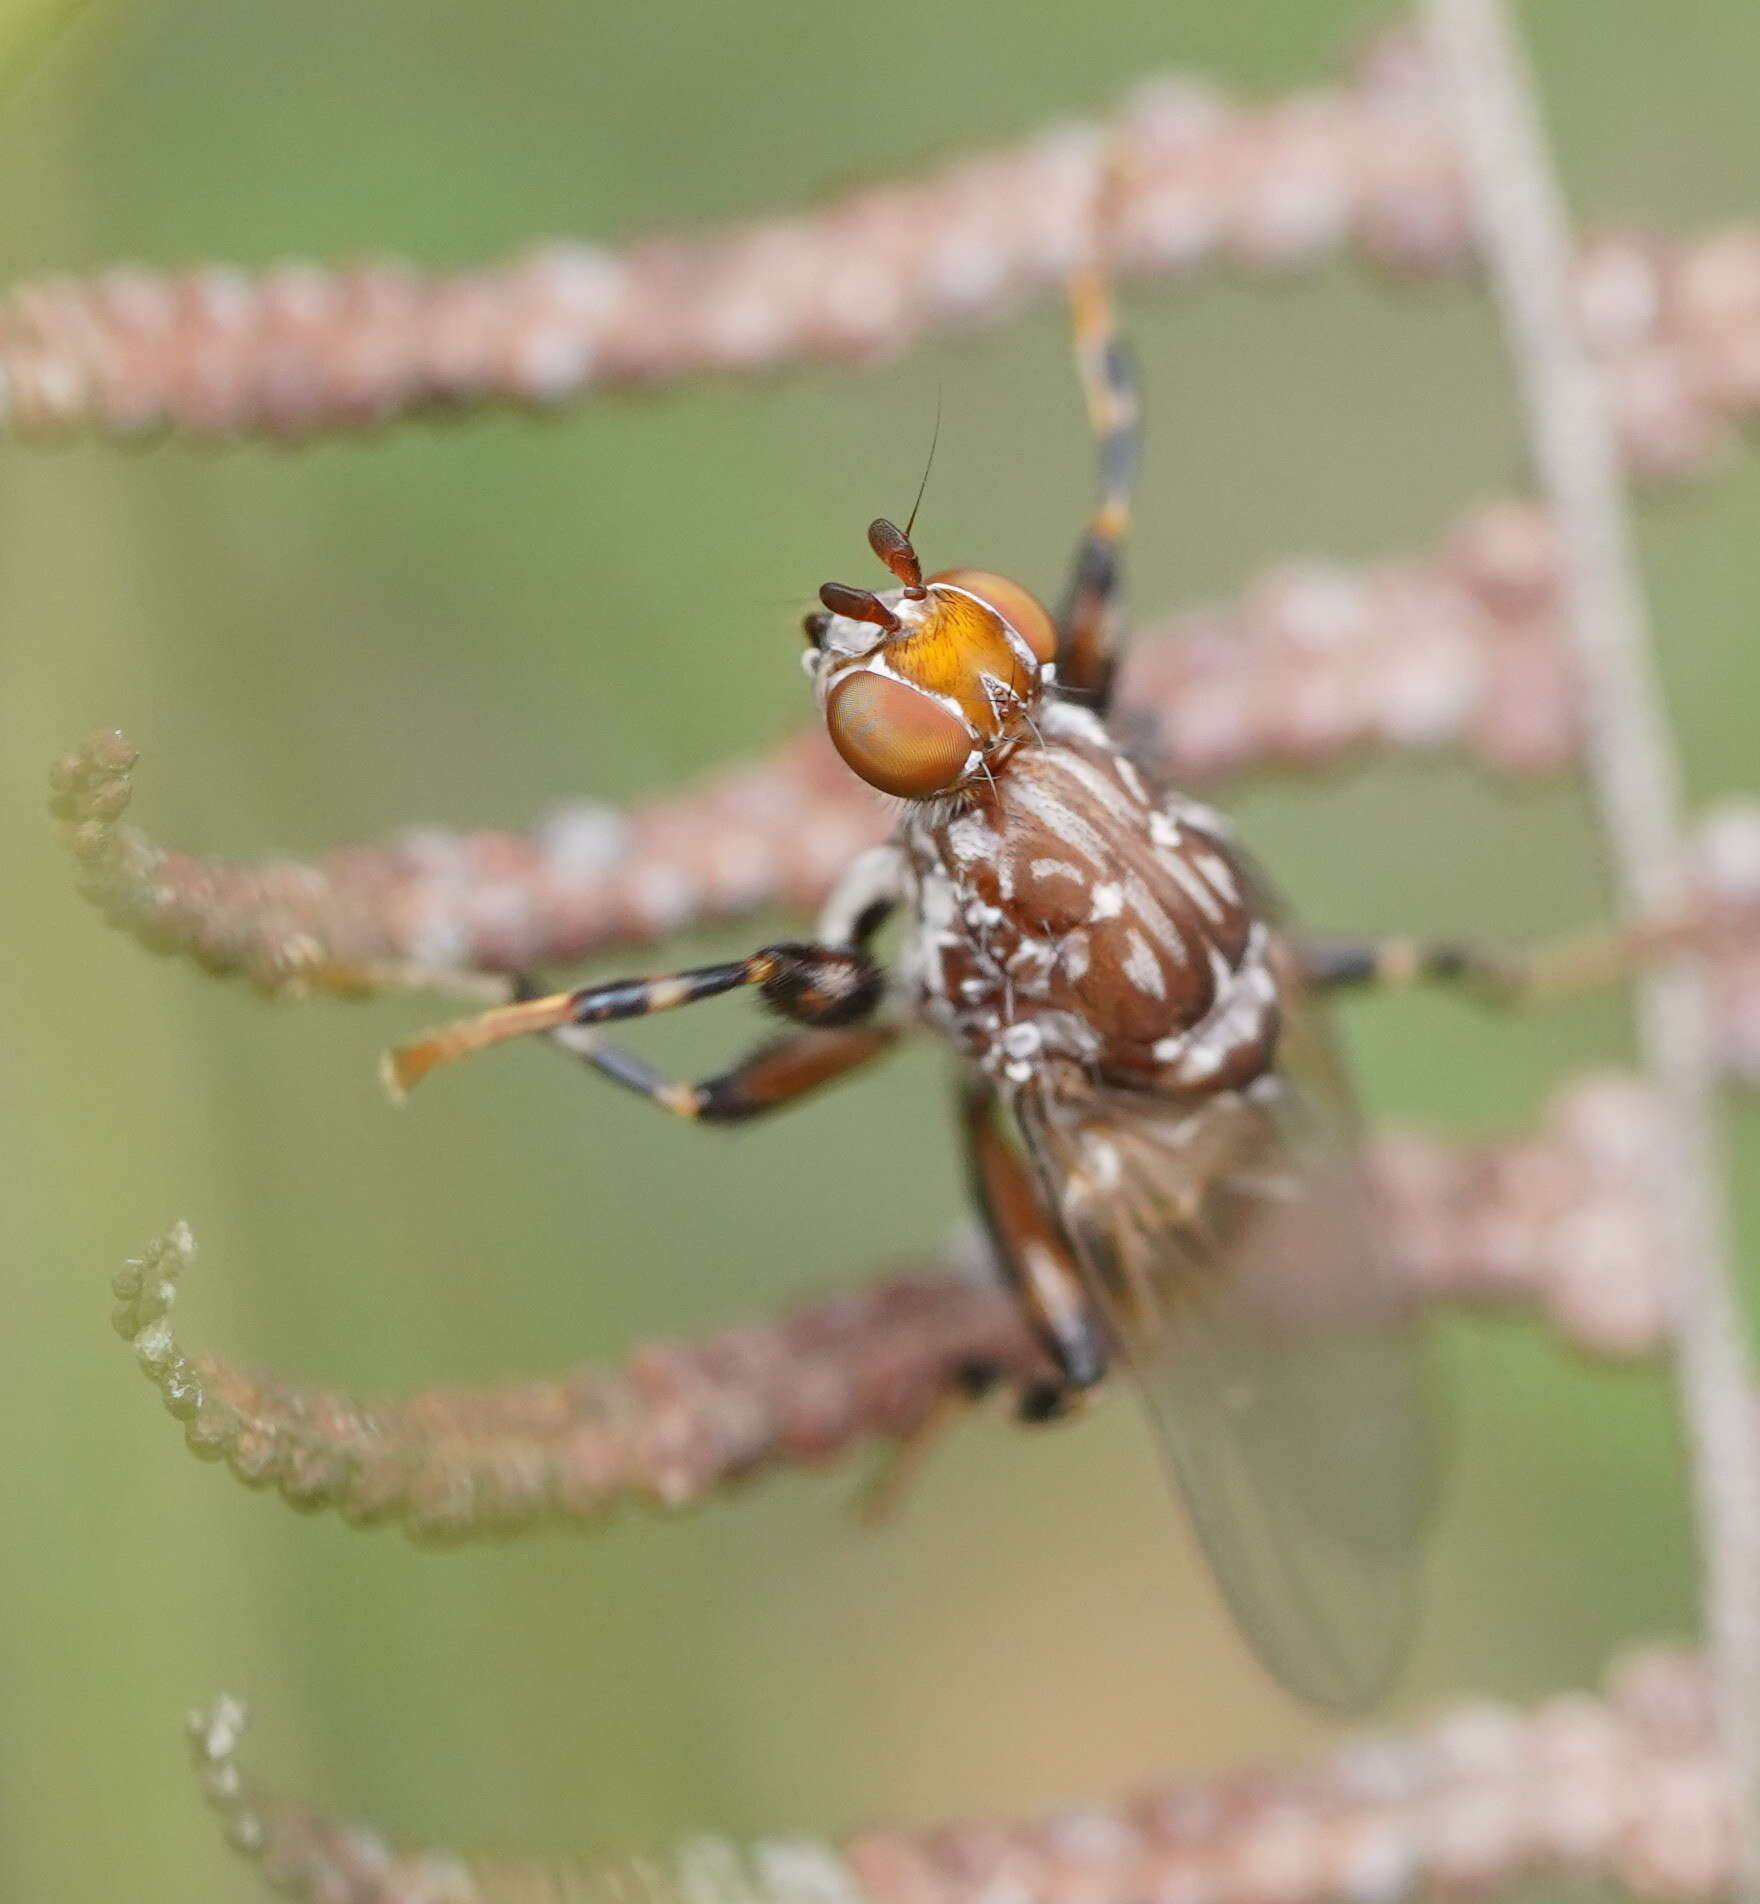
x=1562 y=1221
x=447 y=912
x=1458 y=647
x=1627 y=1786
x=1198 y=181
x=1315 y=662
x=1632 y=764
x=219 y=353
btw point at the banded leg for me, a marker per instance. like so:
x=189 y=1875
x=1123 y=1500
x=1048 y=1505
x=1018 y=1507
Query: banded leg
x=1088 y=624
x=1034 y=1256
x=1560 y=968
x=1043 y=1276
x=826 y=986
x=776 y=1074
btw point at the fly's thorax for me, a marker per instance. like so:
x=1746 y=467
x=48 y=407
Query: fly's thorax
x=928 y=689
x=1074 y=910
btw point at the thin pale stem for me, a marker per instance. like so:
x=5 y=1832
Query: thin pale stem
x=1633 y=767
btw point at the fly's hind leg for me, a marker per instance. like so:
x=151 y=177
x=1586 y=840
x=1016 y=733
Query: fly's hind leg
x=1043 y=1278
x=1088 y=625
x=1036 y=1259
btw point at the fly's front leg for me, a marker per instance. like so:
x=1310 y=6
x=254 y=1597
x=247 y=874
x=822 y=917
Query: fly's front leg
x=1035 y=1257
x=779 y=1073
x=1560 y=968
x=864 y=898
x=775 y=1075
x=826 y=987
x=1088 y=626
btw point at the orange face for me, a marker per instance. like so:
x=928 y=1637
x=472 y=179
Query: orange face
x=926 y=686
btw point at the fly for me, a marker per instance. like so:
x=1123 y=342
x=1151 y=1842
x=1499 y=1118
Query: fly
x=1159 y=1138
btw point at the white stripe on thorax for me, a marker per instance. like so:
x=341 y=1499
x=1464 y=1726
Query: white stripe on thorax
x=1141 y=966
x=1195 y=889
x=1060 y=819
x=1105 y=790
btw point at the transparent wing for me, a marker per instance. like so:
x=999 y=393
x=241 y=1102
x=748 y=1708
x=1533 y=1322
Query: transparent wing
x=1229 y=1245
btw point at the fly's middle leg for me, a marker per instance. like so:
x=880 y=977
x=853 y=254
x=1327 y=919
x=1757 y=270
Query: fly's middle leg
x=1499 y=976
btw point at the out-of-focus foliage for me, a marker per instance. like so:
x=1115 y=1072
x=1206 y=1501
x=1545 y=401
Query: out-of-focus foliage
x=466 y=622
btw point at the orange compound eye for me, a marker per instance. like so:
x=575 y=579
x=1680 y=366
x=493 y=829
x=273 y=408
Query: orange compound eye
x=1023 y=612
x=896 y=738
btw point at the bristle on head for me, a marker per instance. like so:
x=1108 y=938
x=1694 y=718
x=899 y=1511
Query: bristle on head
x=403 y=1069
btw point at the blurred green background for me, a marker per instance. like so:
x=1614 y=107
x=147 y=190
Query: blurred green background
x=464 y=624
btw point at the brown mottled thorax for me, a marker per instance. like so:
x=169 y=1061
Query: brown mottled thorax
x=1071 y=909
